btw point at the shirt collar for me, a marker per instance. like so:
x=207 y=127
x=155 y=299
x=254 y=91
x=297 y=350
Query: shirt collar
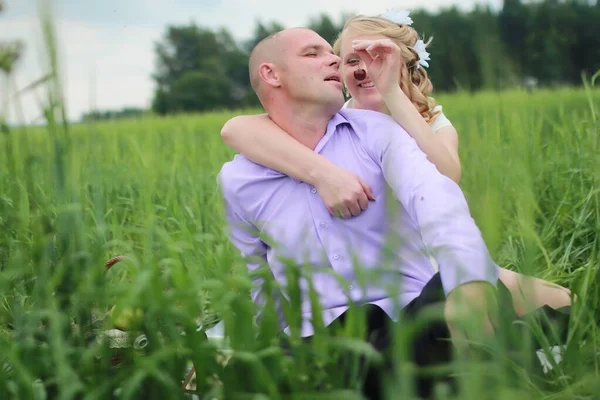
x=332 y=125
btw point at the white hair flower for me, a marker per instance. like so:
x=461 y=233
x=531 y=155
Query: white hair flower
x=419 y=47
x=398 y=15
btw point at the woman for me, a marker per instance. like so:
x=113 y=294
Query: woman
x=383 y=68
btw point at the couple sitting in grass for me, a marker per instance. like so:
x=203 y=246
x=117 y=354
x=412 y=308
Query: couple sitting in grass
x=314 y=175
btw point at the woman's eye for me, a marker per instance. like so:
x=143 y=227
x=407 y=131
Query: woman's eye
x=353 y=61
x=312 y=54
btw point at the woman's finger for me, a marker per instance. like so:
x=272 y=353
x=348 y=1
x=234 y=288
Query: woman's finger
x=365 y=57
x=387 y=47
x=370 y=47
x=365 y=43
x=361 y=44
x=384 y=50
x=376 y=50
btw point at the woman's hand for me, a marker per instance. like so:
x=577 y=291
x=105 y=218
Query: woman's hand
x=383 y=60
x=344 y=193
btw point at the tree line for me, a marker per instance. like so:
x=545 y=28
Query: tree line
x=534 y=42
x=544 y=43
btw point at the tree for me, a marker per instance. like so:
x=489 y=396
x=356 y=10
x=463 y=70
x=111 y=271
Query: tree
x=235 y=61
x=585 y=50
x=200 y=91
x=455 y=51
x=550 y=40
x=209 y=65
x=325 y=27
x=126 y=112
x=183 y=49
x=262 y=31
x=514 y=27
x=495 y=69
x=545 y=43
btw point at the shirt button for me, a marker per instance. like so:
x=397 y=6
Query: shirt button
x=313 y=190
x=336 y=256
x=323 y=224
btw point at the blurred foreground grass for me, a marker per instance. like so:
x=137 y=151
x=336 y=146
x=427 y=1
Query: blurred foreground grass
x=72 y=196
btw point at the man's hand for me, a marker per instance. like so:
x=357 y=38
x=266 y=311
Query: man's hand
x=343 y=192
x=470 y=312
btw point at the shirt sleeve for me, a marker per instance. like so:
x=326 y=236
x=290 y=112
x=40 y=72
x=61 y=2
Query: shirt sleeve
x=436 y=204
x=244 y=236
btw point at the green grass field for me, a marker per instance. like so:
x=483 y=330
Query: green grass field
x=73 y=196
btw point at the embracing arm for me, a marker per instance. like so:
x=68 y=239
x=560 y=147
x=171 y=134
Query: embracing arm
x=259 y=139
x=441 y=147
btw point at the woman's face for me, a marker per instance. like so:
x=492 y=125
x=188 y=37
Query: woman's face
x=363 y=92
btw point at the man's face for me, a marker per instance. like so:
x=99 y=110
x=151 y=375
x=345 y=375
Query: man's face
x=310 y=70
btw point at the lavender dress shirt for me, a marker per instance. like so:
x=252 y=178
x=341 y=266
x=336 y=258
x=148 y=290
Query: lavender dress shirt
x=272 y=216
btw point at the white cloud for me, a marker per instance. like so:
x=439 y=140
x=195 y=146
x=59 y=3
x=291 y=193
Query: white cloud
x=108 y=67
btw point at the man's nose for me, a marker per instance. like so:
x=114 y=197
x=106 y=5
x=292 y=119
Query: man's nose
x=335 y=61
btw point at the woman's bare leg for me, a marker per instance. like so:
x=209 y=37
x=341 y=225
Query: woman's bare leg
x=529 y=293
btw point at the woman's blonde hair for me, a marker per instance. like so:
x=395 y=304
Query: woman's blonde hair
x=415 y=83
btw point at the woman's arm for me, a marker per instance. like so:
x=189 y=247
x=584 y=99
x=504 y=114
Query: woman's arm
x=383 y=60
x=262 y=141
x=259 y=139
x=449 y=137
x=440 y=147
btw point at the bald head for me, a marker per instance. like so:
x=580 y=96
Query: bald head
x=265 y=51
x=269 y=50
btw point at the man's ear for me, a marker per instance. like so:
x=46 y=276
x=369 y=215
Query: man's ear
x=269 y=74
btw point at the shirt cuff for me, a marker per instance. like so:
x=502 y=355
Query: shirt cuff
x=454 y=276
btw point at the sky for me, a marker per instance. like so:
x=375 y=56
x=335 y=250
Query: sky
x=106 y=48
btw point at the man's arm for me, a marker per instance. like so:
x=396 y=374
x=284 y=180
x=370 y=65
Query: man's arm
x=438 y=206
x=244 y=236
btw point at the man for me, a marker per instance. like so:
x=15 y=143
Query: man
x=295 y=75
